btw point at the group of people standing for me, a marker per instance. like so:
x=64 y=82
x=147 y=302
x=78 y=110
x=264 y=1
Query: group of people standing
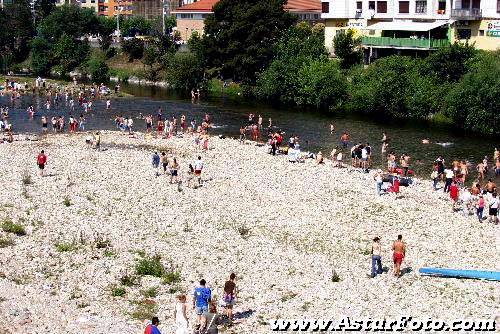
x=204 y=306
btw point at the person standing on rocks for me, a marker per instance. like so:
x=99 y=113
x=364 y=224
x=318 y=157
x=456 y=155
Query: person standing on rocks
x=41 y=161
x=230 y=295
x=202 y=297
x=156 y=162
x=379 y=180
x=153 y=327
x=399 y=249
x=180 y=315
x=493 y=203
x=376 y=257
x=198 y=167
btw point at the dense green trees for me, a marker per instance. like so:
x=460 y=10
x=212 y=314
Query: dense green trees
x=241 y=34
x=474 y=102
x=134 y=48
x=184 y=71
x=16 y=30
x=348 y=48
x=290 y=78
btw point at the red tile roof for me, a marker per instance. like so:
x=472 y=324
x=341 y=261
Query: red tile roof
x=303 y=6
x=292 y=5
x=198 y=6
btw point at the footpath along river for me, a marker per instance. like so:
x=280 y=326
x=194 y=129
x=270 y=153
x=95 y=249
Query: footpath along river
x=313 y=129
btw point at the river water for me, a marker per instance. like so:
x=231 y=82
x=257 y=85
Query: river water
x=312 y=128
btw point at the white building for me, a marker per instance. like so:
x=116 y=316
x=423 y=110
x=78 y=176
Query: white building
x=411 y=26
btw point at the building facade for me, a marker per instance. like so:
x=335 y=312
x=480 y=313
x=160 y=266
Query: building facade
x=413 y=26
x=191 y=16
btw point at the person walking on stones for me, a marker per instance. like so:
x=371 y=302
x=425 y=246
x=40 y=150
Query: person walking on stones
x=156 y=163
x=376 y=257
x=202 y=297
x=399 y=249
x=41 y=161
x=152 y=328
x=180 y=315
x=230 y=295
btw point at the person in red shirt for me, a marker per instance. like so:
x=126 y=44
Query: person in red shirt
x=454 y=194
x=153 y=327
x=41 y=161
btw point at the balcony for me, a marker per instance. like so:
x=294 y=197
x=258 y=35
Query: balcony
x=466 y=14
x=404 y=43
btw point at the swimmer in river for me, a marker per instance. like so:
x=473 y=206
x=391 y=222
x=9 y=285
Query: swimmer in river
x=426 y=141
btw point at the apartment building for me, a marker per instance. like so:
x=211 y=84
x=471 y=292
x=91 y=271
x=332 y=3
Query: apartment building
x=191 y=16
x=413 y=26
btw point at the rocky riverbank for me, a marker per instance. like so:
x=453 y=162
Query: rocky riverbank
x=282 y=228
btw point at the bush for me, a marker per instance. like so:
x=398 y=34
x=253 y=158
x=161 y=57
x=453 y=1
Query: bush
x=474 y=102
x=348 y=48
x=172 y=277
x=10 y=227
x=98 y=70
x=66 y=201
x=66 y=247
x=150 y=266
x=128 y=280
x=27 y=178
x=321 y=84
x=6 y=242
x=111 y=52
x=134 y=48
x=118 y=291
x=393 y=87
x=150 y=293
x=184 y=71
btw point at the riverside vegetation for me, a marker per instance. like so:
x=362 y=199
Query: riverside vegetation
x=456 y=85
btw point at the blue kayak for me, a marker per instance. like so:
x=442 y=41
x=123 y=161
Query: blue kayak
x=476 y=274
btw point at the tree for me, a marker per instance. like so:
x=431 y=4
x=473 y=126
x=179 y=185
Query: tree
x=43 y=8
x=450 y=63
x=170 y=23
x=393 y=87
x=240 y=36
x=474 y=102
x=106 y=28
x=61 y=42
x=321 y=85
x=347 y=47
x=134 y=48
x=16 y=30
x=184 y=71
x=98 y=70
x=135 y=25
x=71 y=21
x=40 y=56
x=299 y=46
x=69 y=53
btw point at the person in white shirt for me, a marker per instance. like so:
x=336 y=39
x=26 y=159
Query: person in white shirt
x=493 y=203
x=448 y=173
x=130 y=124
x=376 y=257
x=198 y=167
x=466 y=197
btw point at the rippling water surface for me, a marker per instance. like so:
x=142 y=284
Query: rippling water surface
x=312 y=128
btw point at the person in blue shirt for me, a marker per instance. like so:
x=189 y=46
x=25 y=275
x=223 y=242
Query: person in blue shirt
x=153 y=327
x=156 y=162
x=202 y=297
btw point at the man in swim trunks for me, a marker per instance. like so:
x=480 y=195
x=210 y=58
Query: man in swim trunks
x=41 y=160
x=399 y=249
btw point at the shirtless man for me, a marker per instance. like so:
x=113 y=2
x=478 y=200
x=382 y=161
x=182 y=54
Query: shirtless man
x=491 y=186
x=399 y=249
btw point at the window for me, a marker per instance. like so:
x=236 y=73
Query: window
x=371 y=5
x=465 y=4
x=381 y=6
x=476 y=4
x=404 y=7
x=441 y=7
x=325 y=7
x=359 y=7
x=498 y=6
x=421 y=7
x=186 y=16
x=481 y=32
x=464 y=33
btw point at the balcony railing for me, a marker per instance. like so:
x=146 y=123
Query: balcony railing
x=405 y=42
x=468 y=13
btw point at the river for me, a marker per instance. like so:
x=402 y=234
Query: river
x=312 y=128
